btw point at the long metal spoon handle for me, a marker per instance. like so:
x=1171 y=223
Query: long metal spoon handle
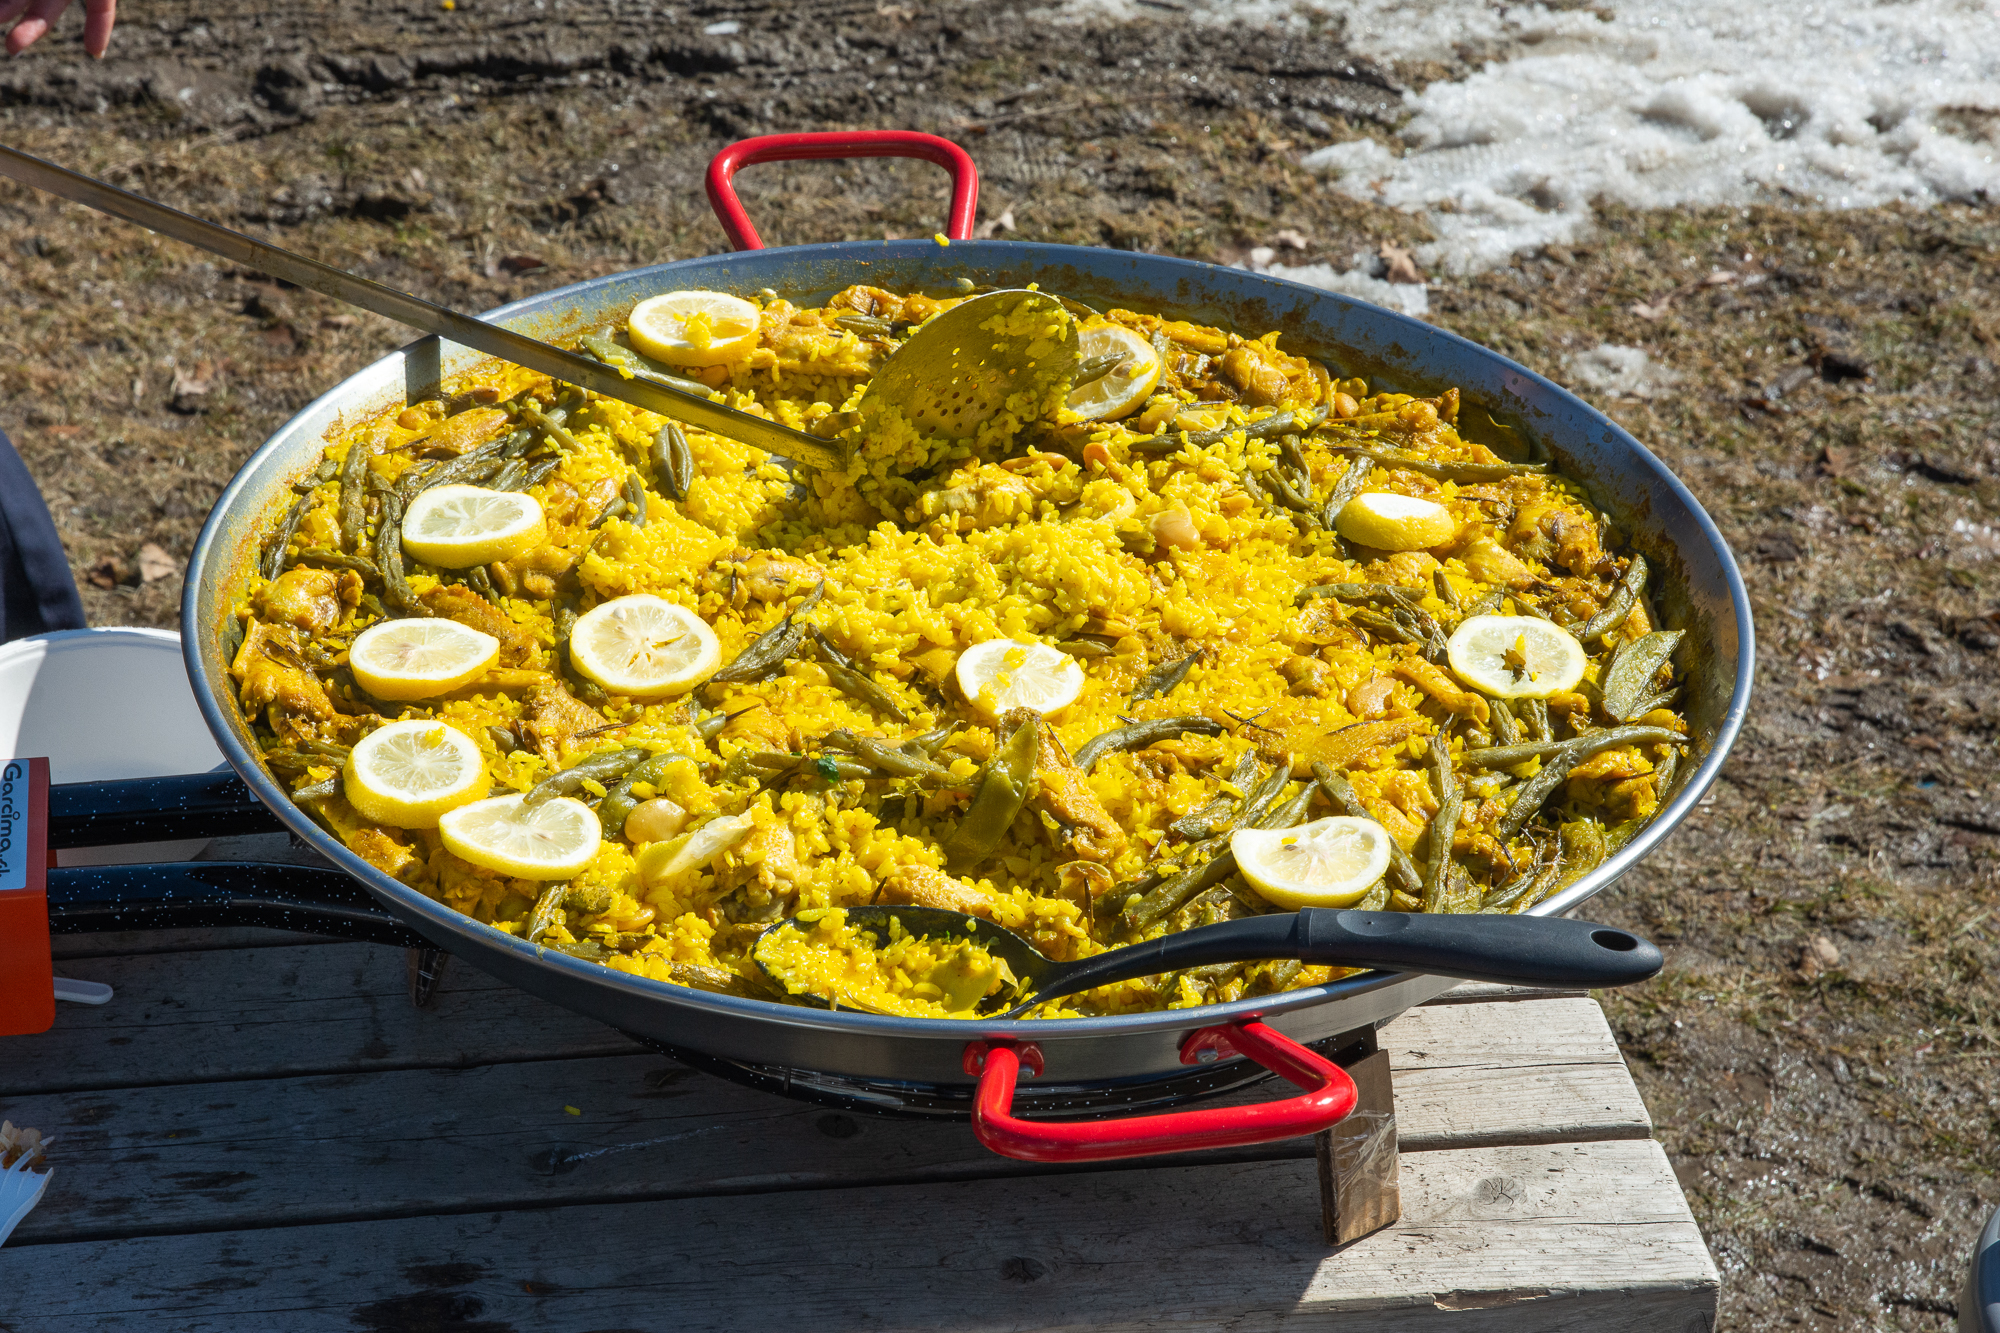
x=418 y=313
x=1511 y=950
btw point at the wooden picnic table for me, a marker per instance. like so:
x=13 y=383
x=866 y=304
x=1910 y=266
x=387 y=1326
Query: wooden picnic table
x=261 y=1132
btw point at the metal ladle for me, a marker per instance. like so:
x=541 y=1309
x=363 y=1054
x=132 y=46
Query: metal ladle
x=1509 y=950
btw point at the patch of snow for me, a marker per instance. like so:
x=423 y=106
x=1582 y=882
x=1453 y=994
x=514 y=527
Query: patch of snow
x=1659 y=104
x=1621 y=372
x=1363 y=281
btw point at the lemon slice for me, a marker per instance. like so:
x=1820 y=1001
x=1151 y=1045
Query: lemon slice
x=644 y=646
x=457 y=527
x=407 y=774
x=1391 y=522
x=1515 y=657
x=1330 y=862
x=554 y=840
x=694 y=328
x=415 y=659
x=1000 y=674
x=1119 y=391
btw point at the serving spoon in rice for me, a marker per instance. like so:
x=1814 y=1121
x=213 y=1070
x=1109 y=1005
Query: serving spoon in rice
x=1508 y=950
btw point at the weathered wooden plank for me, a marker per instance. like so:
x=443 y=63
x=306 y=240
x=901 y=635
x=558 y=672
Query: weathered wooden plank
x=195 y=939
x=1489 y=992
x=388 y=1143
x=297 y=1009
x=1555 y=1237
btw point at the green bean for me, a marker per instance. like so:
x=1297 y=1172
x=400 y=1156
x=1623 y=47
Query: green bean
x=1505 y=729
x=709 y=727
x=354 y=496
x=474 y=466
x=1376 y=898
x=275 y=554
x=1401 y=868
x=371 y=605
x=1292 y=813
x=1584 y=849
x=1164 y=680
x=1141 y=734
x=1294 y=421
x=319 y=555
x=1606 y=738
x=768 y=651
x=1174 y=893
x=1086 y=648
x=481 y=582
x=612 y=509
x=1663 y=775
x=389 y=556
x=673 y=461
x=598 y=768
x=548 y=912
x=1289 y=496
x=1389 y=594
x=635 y=499
x=1258 y=801
x=1535 y=712
x=547 y=424
x=1444 y=824
x=1004 y=785
x=1486 y=605
x=1447 y=593
x=1291 y=447
x=320 y=790
x=1218 y=812
x=894 y=760
x=1556 y=764
x=624 y=358
x=1629 y=677
x=1663 y=699
x=503 y=738
x=1623 y=598
x=1344 y=490
x=840 y=670
x=870 y=327
x=1458 y=472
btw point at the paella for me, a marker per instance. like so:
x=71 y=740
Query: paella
x=1197 y=630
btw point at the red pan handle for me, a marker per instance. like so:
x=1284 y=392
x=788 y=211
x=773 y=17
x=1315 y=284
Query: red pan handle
x=844 y=143
x=1329 y=1096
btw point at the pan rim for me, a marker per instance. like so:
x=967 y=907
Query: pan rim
x=419 y=910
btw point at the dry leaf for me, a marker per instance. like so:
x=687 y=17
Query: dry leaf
x=518 y=264
x=155 y=564
x=107 y=573
x=1402 y=264
x=987 y=230
x=1818 y=956
x=1291 y=238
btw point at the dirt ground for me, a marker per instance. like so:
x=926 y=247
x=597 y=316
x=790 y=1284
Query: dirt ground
x=1820 y=1055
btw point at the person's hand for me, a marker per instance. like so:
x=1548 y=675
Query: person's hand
x=98 y=16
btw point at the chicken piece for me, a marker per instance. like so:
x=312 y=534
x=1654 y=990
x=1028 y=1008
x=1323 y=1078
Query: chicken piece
x=1083 y=829
x=764 y=577
x=1405 y=569
x=272 y=673
x=1308 y=676
x=1400 y=800
x=1433 y=681
x=1258 y=371
x=517 y=643
x=882 y=304
x=758 y=728
x=810 y=342
x=927 y=886
x=1490 y=562
x=466 y=431
x=976 y=498
x=554 y=717
x=386 y=853
x=1549 y=529
x=765 y=864
x=310 y=599
x=1625 y=763
x=537 y=572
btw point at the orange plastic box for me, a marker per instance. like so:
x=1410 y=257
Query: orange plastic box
x=27 y=977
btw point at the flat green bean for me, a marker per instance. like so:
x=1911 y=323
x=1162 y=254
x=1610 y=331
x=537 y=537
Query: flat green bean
x=1623 y=598
x=1141 y=734
x=1004 y=785
x=1628 y=680
x=1444 y=824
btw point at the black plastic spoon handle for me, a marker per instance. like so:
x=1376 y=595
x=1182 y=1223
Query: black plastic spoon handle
x=219 y=893
x=190 y=805
x=1511 y=950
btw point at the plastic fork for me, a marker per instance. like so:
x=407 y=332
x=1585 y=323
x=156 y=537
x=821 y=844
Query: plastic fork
x=20 y=1190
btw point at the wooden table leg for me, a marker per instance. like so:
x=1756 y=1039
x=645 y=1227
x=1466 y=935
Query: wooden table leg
x=1357 y=1158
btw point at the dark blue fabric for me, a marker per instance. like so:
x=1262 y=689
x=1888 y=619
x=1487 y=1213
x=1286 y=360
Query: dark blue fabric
x=37 y=591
